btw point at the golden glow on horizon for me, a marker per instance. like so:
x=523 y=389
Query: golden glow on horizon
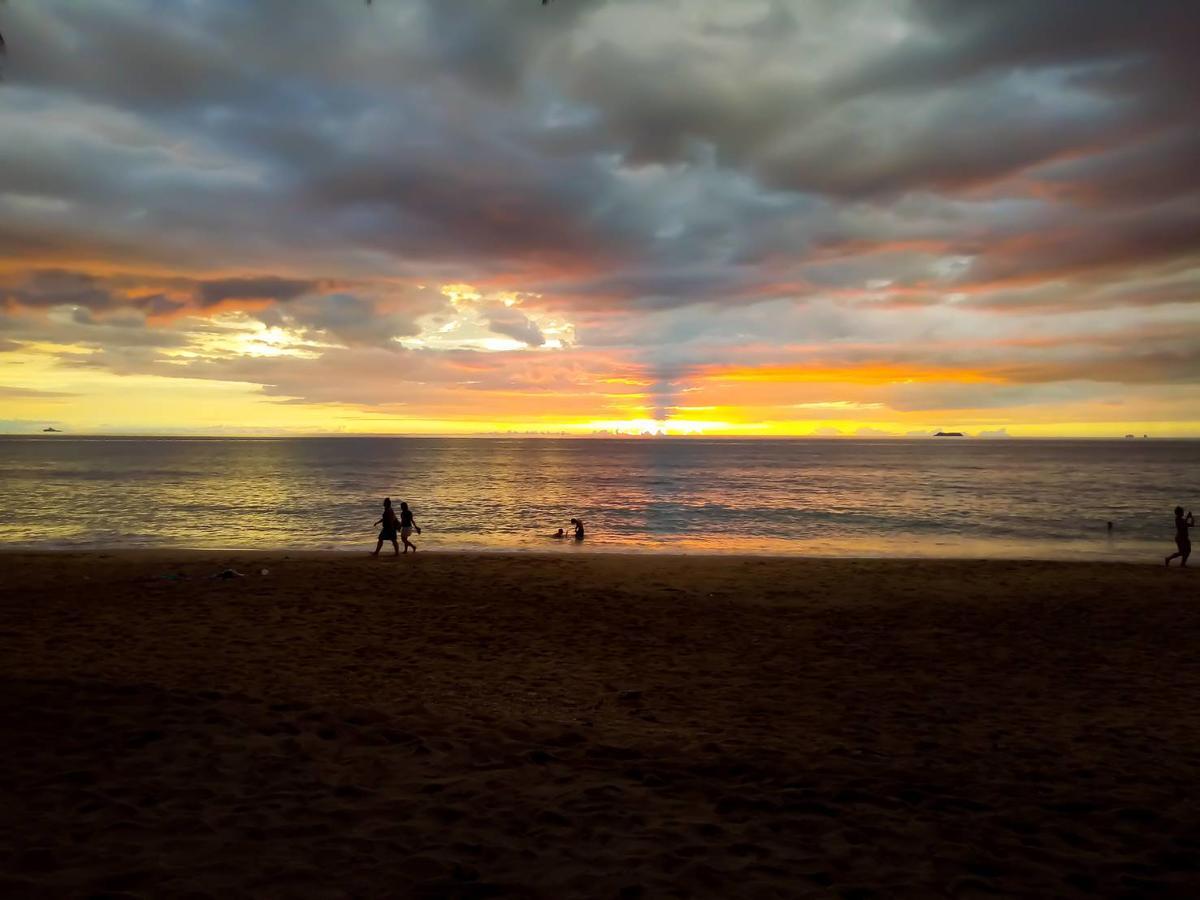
x=528 y=260
x=662 y=426
x=53 y=384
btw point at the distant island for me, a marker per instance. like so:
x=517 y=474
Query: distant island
x=51 y=429
x=949 y=434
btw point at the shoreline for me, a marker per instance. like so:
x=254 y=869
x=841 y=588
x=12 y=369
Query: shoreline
x=1148 y=553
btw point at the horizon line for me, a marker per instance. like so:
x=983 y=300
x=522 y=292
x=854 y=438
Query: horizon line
x=533 y=435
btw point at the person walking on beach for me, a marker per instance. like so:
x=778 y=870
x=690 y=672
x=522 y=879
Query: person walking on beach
x=1182 y=539
x=407 y=524
x=388 y=531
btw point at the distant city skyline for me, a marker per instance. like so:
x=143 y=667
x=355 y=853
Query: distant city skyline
x=775 y=218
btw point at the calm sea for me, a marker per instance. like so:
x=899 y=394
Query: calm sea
x=927 y=497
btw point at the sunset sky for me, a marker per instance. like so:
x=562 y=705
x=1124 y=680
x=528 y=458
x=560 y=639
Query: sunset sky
x=755 y=218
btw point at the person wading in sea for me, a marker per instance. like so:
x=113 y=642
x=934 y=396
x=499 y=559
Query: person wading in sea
x=1183 y=540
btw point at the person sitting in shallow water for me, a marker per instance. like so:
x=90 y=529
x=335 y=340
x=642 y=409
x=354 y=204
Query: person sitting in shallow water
x=560 y=533
x=578 y=523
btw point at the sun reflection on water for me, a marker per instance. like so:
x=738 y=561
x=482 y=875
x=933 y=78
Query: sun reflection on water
x=820 y=497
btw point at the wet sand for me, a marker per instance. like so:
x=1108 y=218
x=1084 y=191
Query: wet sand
x=596 y=726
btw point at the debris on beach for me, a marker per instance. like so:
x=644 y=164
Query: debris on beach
x=229 y=573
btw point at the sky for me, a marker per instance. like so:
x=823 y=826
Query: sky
x=768 y=217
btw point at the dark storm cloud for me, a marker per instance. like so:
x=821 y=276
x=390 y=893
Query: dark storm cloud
x=1159 y=168
x=158 y=305
x=1149 y=42
x=175 y=57
x=490 y=45
x=976 y=92
x=350 y=320
x=210 y=293
x=1146 y=236
x=58 y=287
x=45 y=289
x=659 y=288
x=80 y=328
x=480 y=205
x=506 y=120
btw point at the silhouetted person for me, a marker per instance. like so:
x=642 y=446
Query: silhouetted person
x=388 y=532
x=1110 y=527
x=1182 y=539
x=578 y=523
x=560 y=533
x=407 y=524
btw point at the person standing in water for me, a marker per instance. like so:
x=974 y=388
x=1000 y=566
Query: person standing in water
x=1182 y=539
x=578 y=523
x=388 y=531
x=407 y=524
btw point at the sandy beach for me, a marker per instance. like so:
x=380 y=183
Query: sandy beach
x=595 y=726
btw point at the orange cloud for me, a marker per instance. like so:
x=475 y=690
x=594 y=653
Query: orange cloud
x=873 y=374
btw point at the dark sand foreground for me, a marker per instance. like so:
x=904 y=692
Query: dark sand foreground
x=596 y=726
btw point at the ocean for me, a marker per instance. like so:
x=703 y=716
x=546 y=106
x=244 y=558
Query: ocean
x=820 y=497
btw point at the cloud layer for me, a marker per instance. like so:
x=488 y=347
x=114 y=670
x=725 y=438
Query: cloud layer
x=768 y=216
